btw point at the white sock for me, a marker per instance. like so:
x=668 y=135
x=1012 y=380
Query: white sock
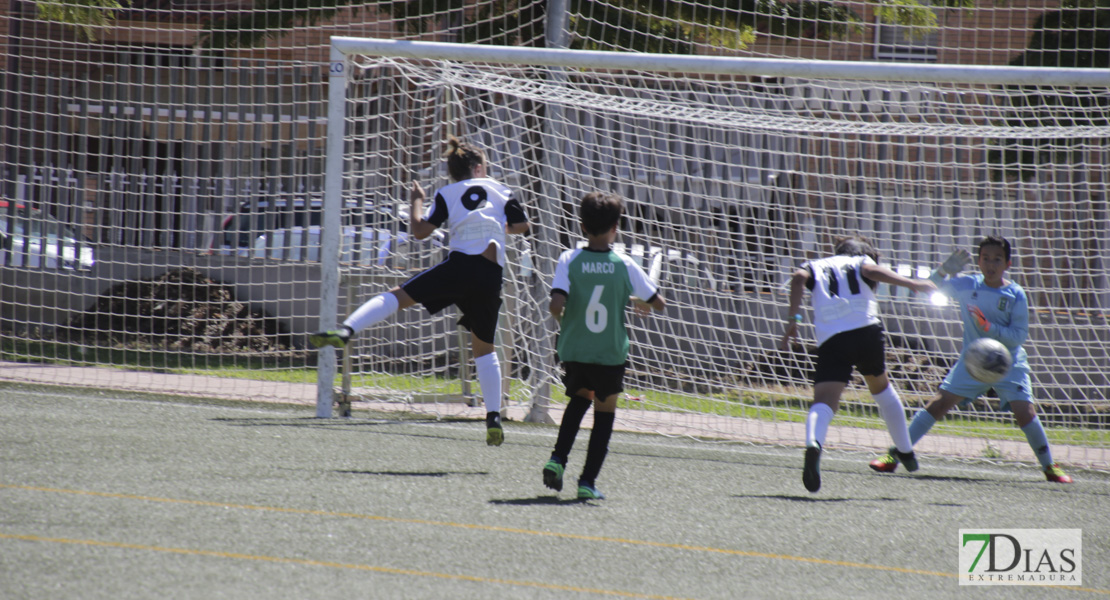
x=817 y=423
x=892 y=411
x=489 y=377
x=375 y=310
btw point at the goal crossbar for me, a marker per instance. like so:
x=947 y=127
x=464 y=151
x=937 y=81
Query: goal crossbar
x=767 y=67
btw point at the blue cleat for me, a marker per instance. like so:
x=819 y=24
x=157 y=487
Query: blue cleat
x=587 y=491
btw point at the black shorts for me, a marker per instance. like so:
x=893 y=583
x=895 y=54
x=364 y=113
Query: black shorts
x=863 y=348
x=602 y=380
x=470 y=282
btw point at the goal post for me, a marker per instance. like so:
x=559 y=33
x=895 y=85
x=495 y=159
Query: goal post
x=332 y=221
x=734 y=171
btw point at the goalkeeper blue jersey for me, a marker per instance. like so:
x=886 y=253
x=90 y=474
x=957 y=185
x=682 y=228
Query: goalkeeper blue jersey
x=1006 y=308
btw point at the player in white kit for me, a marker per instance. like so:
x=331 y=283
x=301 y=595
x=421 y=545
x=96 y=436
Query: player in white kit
x=849 y=335
x=479 y=212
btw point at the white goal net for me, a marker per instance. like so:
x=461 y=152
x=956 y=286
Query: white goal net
x=734 y=172
x=162 y=184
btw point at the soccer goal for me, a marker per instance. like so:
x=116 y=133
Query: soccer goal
x=734 y=171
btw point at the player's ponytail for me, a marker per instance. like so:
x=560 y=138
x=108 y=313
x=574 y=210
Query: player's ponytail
x=462 y=158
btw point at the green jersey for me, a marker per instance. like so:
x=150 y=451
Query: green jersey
x=597 y=285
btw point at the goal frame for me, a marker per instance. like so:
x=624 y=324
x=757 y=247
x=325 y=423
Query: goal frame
x=343 y=47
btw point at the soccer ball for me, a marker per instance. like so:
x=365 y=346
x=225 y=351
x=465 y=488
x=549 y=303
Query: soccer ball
x=987 y=360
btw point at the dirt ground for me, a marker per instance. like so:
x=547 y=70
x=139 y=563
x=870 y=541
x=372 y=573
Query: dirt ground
x=182 y=309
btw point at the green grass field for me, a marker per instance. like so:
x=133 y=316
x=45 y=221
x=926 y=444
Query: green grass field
x=778 y=405
x=109 y=495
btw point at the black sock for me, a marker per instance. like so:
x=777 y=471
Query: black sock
x=599 y=446
x=493 y=419
x=568 y=429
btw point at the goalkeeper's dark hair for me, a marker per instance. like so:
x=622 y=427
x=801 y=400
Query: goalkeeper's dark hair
x=462 y=158
x=855 y=245
x=995 y=240
x=600 y=211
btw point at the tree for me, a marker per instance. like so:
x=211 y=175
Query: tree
x=85 y=15
x=646 y=25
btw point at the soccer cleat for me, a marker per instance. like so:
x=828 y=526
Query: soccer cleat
x=553 y=475
x=811 y=475
x=587 y=491
x=886 y=463
x=332 y=337
x=907 y=458
x=1056 y=475
x=495 y=435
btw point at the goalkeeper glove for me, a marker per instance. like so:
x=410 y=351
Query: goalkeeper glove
x=955 y=262
x=951 y=265
x=980 y=319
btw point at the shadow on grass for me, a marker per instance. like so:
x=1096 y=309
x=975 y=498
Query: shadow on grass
x=539 y=501
x=336 y=423
x=951 y=478
x=414 y=473
x=793 y=498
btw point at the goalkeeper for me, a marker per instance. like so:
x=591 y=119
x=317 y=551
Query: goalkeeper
x=479 y=211
x=993 y=307
x=849 y=335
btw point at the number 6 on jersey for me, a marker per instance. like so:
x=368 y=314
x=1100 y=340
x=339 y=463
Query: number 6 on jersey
x=597 y=316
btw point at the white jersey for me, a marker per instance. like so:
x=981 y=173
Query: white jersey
x=843 y=299
x=476 y=212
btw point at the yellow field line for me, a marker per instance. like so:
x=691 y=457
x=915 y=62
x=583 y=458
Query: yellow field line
x=495 y=528
x=334 y=565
